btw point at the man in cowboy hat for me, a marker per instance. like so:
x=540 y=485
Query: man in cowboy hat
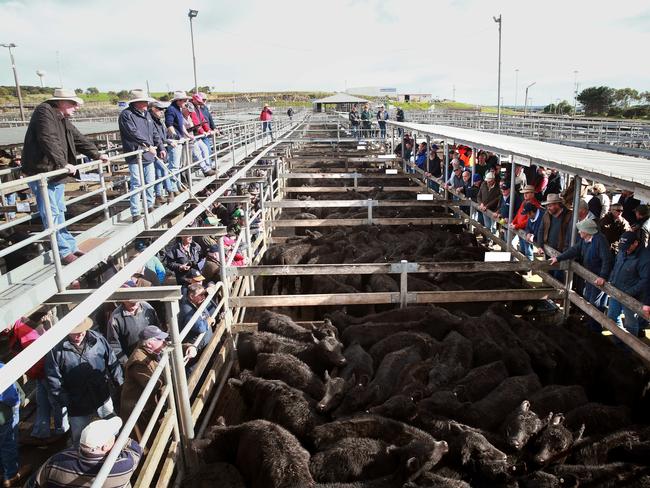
x=139 y=134
x=520 y=219
x=175 y=123
x=52 y=143
x=79 y=371
x=592 y=251
x=554 y=230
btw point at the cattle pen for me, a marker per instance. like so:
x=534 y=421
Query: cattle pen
x=316 y=181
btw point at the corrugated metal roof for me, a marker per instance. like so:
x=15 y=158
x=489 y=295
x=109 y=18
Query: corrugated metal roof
x=341 y=98
x=626 y=172
x=12 y=136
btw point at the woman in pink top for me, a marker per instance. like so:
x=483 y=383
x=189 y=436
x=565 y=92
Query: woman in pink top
x=266 y=117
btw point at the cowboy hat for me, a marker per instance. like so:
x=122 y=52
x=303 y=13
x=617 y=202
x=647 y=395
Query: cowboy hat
x=63 y=94
x=139 y=96
x=552 y=198
x=85 y=324
x=528 y=189
x=180 y=95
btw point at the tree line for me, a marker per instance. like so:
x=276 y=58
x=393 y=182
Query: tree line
x=606 y=101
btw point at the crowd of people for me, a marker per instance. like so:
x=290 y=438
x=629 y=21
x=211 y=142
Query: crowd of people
x=100 y=369
x=361 y=122
x=613 y=230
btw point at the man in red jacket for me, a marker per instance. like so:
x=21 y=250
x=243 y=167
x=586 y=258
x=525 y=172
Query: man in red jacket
x=520 y=219
x=266 y=117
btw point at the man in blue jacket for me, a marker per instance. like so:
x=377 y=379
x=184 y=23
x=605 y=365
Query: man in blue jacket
x=175 y=123
x=9 y=418
x=79 y=371
x=189 y=304
x=139 y=134
x=630 y=275
x=592 y=251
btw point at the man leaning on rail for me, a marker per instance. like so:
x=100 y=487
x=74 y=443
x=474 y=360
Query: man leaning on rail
x=52 y=143
x=139 y=133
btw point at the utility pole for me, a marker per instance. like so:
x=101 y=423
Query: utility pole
x=516 y=86
x=498 y=21
x=526 y=100
x=192 y=14
x=13 y=67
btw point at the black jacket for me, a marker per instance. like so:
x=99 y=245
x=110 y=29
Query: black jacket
x=123 y=332
x=138 y=132
x=79 y=380
x=176 y=256
x=52 y=141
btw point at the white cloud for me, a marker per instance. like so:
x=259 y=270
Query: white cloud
x=422 y=46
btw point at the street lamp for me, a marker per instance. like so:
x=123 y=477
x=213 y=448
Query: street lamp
x=498 y=21
x=13 y=66
x=526 y=100
x=40 y=73
x=575 y=91
x=192 y=14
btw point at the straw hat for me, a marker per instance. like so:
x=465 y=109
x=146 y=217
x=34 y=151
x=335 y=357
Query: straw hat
x=599 y=188
x=85 y=325
x=553 y=198
x=528 y=189
x=180 y=95
x=63 y=94
x=139 y=96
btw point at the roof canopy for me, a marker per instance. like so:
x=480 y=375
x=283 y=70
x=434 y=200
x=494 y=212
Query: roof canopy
x=625 y=172
x=341 y=98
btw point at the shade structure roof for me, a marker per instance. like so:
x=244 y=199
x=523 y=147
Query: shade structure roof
x=624 y=172
x=340 y=98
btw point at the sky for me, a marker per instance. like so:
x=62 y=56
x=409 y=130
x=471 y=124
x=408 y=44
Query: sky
x=419 y=46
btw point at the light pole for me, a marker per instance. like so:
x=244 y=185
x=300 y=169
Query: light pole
x=498 y=21
x=526 y=100
x=192 y=14
x=516 y=85
x=13 y=67
x=40 y=73
x=575 y=91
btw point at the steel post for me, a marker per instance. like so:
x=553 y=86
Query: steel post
x=54 y=245
x=403 y=284
x=369 y=211
x=249 y=243
x=171 y=401
x=574 y=220
x=102 y=183
x=179 y=380
x=187 y=153
x=511 y=206
x=225 y=280
x=446 y=155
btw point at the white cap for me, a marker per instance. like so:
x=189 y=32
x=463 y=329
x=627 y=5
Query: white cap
x=100 y=432
x=489 y=176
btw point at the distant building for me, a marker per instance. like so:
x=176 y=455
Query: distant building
x=341 y=102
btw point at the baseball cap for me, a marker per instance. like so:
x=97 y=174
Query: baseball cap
x=528 y=207
x=152 y=332
x=627 y=239
x=140 y=246
x=238 y=213
x=504 y=185
x=159 y=105
x=489 y=177
x=477 y=177
x=214 y=248
x=100 y=432
x=194 y=275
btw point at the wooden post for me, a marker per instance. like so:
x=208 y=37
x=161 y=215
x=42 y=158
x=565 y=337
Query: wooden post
x=568 y=283
x=369 y=211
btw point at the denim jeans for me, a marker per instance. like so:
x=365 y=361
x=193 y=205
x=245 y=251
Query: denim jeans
x=46 y=407
x=79 y=423
x=382 y=130
x=526 y=248
x=631 y=320
x=174 y=159
x=9 y=445
x=489 y=222
x=134 y=183
x=56 y=193
x=355 y=131
x=200 y=152
x=11 y=200
x=267 y=125
x=161 y=166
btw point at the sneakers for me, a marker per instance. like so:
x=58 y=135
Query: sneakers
x=159 y=201
x=209 y=172
x=79 y=253
x=69 y=258
x=135 y=218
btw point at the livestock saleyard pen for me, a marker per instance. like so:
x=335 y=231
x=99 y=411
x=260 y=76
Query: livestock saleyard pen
x=363 y=195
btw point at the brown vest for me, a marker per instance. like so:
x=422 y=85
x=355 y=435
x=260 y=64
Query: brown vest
x=566 y=219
